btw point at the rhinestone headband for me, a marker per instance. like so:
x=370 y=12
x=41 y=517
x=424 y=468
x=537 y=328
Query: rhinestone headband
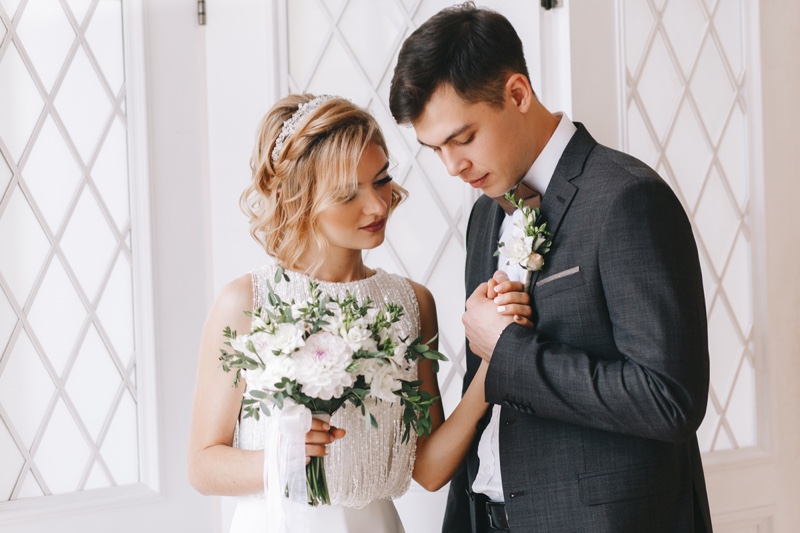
x=290 y=124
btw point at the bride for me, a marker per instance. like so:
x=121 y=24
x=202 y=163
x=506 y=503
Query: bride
x=321 y=193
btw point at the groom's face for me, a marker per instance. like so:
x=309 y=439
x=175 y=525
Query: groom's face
x=476 y=142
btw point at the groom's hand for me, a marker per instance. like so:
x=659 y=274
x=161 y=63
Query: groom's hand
x=483 y=324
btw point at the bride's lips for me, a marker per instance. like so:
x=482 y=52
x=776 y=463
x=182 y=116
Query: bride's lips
x=375 y=226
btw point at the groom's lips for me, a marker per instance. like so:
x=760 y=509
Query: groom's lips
x=375 y=226
x=478 y=183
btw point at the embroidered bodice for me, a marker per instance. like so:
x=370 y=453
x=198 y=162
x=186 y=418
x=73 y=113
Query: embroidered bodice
x=368 y=463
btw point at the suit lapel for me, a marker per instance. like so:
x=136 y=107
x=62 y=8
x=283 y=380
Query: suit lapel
x=560 y=192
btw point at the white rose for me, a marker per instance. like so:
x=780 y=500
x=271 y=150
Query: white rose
x=262 y=343
x=287 y=337
x=276 y=368
x=321 y=366
x=534 y=262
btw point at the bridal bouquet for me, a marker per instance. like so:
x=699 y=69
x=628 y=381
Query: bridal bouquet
x=322 y=353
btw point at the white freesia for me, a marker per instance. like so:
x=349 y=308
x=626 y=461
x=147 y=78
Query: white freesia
x=517 y=249
x=359 y=337
x=321 y=366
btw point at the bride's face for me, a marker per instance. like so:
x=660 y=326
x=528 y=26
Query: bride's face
x=359 y=223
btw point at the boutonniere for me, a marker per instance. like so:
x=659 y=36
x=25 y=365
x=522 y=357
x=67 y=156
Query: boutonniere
x=529 y=241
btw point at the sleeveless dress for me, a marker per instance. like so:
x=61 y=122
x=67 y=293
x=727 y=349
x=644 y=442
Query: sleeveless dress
x=367 y=468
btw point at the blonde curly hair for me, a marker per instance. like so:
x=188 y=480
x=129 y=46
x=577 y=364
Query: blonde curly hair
x=316 y=169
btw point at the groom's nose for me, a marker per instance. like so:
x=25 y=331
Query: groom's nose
x=454 y=162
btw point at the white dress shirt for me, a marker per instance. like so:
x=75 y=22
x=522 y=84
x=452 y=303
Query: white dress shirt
x=489 y=481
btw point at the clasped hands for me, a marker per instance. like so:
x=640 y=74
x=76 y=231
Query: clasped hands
x=491 y=308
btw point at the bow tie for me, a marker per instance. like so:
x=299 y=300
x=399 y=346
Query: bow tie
x=529 y=197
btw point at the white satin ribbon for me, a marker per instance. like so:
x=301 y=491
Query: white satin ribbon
x=285 y=468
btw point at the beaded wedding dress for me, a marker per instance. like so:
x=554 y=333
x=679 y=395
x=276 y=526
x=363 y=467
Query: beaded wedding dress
x=369 y=466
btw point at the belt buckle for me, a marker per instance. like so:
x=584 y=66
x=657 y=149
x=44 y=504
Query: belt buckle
x=490 y=506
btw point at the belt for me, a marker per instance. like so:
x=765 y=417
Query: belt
x=487 y=515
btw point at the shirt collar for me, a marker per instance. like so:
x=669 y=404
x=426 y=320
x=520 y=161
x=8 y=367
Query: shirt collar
x=541 y=171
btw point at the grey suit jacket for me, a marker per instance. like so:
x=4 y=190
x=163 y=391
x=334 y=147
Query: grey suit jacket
x=600 y=403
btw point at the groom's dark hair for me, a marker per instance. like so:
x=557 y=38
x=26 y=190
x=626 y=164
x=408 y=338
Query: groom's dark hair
x=473 y=50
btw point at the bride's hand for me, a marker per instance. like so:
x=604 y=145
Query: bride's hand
x=320 y=435
x=511 y=298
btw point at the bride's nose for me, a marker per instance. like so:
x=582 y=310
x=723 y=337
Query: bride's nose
x=375 y=204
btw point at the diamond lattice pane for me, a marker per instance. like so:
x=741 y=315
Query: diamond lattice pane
x=728 y=24
x=110 y=174
x=115 y=310
x=10 y=7
x=659 y=87
x=738 y=284
x=83 y=105
x=97 y=479
x=52 y=174
x=25 y=389
x=639 y=24
x=8 y=320
x=449 y=190
x=79 y=9
x=88 y=243
x=716 y=220
x=11 y=465
x=732 y=156
x=640 y=142
x=337 y=74
x=57 y=316
x=93 y=383
x=24 y=246
x=308 y=33
x=105 y=40
x=120 y=449
x=20 y=103
x=5 y=175
x=741 y=411
x=689 y=155
x=414 y=252
x=685 y=25
x=46 y=34
x=63 y=453
x=371 y=35
x=30 y=488
x=712 y=90
x=726 y=350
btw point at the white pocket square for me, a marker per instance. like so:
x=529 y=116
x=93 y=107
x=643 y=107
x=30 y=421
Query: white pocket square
x=558 y=275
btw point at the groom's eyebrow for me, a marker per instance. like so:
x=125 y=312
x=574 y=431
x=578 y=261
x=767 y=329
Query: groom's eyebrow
x=450 y=137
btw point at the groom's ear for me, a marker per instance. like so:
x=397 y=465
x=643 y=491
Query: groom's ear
x=519 y=90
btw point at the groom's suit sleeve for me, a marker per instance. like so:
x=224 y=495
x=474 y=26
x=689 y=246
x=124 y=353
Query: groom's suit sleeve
x=627 y=350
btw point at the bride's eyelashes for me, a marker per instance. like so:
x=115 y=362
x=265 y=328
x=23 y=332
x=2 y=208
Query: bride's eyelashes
x=383 y=181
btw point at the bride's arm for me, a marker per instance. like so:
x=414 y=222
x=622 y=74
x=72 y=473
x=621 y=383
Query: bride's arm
x=440 y=454
x=214 y=465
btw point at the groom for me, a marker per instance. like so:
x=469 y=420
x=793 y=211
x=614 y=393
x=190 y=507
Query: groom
x=596 y=407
